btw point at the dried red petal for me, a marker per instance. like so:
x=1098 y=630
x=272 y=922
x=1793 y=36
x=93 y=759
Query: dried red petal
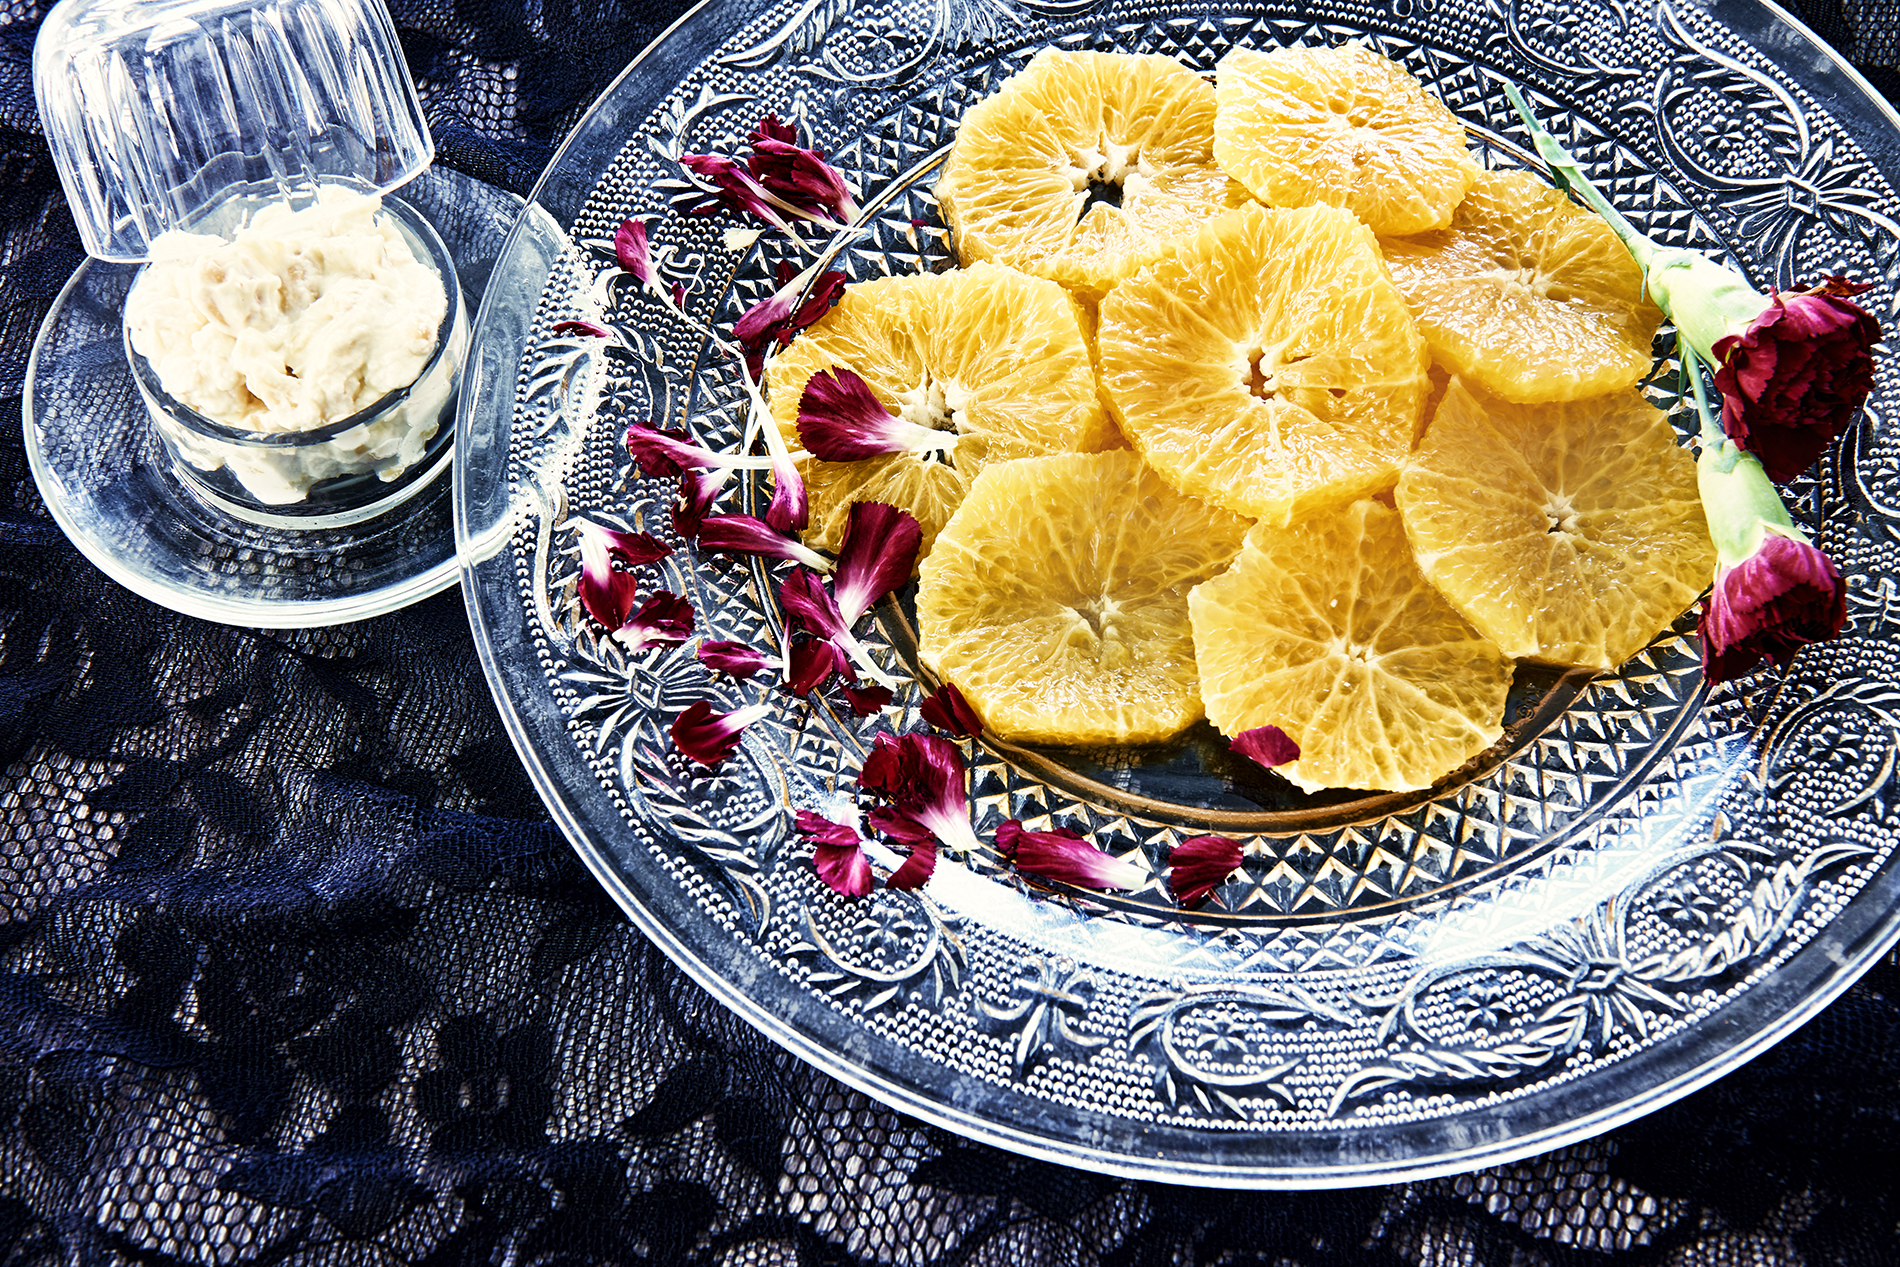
x=1266 y=746
x=1063 y=855
x=709 y=737
x=733 y=658
x=1199 y=865
x=592 y=329
x=840 y=419
x=946 y=709
x=837 y=854
x=877 y=554
x=664 y=619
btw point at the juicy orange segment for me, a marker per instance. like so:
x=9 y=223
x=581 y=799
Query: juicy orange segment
x=1570 y=533
x=1344 y=127
x=985 y=351
x=1528 y=294
x=1084 y=166
x=1267 y=366
x=1056 y=599
x=1328 y=630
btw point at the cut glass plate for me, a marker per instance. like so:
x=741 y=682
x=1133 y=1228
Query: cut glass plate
x=1644 y=884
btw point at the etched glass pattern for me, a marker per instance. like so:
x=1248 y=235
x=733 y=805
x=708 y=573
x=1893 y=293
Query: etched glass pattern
x=1643 y=884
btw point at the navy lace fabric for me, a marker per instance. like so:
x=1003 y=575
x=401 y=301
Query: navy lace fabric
x=295 y=970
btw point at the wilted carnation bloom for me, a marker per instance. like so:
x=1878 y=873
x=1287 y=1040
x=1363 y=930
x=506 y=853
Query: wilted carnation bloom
x=1774 y=592
x=1792 y=368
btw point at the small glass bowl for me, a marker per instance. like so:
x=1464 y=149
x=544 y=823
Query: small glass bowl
x=344 y=472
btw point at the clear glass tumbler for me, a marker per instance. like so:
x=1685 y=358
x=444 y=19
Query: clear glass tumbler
x=159 y=110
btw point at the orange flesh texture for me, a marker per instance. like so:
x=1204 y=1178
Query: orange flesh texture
x=1268 y=365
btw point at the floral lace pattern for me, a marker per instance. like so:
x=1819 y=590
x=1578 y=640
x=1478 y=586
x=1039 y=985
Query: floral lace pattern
x=294 y=968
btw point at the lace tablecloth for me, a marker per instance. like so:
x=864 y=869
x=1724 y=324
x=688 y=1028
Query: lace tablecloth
x=294 y=968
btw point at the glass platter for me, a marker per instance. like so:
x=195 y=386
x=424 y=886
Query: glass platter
x=1644 y=884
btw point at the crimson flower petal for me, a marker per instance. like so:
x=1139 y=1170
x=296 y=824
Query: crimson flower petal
x=865 y=700
x=876 y=555
x=837 y=854
x=592 y=329
x=896 y=825
x=810 y=604
x=733 y=658
x=1791 y=382
x=1266 y=746
x=797 y=175
x=781 y=315
x=922 y=776
x=664 y=619
x=1063 y=855
x=901 y=829
x=630 y=250
x=607 y=594
x=733 y=188
x=917 y=868
x=698 y=492
x=1778 y=600
x=841 y=420
x=709 y=737
x=946 y=709
x=813 y=663
x=1199 y=865
x=745 y=534
x=790 y=509
x=663 y=453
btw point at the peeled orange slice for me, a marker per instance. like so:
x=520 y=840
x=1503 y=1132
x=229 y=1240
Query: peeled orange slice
x=1083 y=166
x=1328 y=630
x=1341 y=126
x=1056 y=599
x=1267 y=366
x=1570 y=533
x=1528 y=294
x=987 y=352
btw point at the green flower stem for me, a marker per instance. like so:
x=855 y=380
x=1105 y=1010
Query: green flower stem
x=1712 y=435
x=1739 y=501
x=1559 y=160
x=1707 y=301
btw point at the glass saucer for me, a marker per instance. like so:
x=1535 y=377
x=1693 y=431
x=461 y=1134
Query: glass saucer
x=112 y=488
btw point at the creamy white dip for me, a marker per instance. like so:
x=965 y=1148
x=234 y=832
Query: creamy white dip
x=302 y=319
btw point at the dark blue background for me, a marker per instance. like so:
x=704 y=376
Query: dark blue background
x=294 y=969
